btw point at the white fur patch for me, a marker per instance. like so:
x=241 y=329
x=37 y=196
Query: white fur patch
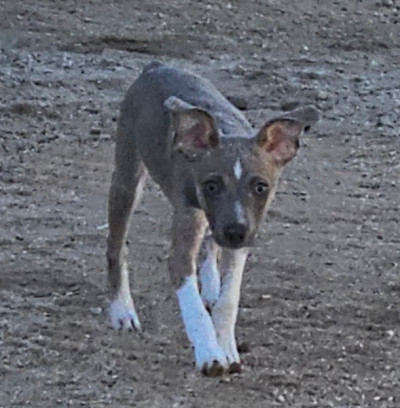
x=239 y=212
x=123 y=314
x=226 y=309
x=199 y=326
x=237 y=169
x=122 y=310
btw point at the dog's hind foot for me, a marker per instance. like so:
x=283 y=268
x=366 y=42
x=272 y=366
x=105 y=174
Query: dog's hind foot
x=123 y=314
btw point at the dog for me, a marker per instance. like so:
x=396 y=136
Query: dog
x=219 y=174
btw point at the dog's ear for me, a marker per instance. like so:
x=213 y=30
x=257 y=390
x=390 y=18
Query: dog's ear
x=280 y=136
x=194 y=129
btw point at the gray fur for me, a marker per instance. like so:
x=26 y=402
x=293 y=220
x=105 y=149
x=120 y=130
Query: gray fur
x=216 y=170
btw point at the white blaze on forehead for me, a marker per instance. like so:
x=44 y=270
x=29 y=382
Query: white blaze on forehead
x=237 y=169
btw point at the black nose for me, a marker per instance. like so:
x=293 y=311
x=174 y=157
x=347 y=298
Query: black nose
x=235 y=234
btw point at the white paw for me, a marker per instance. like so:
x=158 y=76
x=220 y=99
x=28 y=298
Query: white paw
x=228 y=345
x=211 y=361
x=123 y=314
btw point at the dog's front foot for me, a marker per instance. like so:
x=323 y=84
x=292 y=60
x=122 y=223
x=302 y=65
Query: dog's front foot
x=233 y=358
x=215 y=370
x=228 y=345
x=123 y=314
x=211 y=363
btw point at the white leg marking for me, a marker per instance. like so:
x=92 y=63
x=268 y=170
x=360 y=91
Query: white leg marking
x=225 y=311
x=237 y=169
x=199 y=326
x=209 y=276
x=122 y=310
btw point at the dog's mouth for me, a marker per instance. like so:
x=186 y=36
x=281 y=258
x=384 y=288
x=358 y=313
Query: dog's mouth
x=248 y=241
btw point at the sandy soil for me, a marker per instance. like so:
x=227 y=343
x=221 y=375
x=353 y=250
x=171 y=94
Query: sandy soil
x=319 y=321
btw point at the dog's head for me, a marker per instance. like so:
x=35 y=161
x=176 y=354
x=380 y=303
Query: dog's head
x=235 y=177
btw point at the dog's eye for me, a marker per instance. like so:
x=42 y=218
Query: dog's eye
x=212 y=186
x=260 y=188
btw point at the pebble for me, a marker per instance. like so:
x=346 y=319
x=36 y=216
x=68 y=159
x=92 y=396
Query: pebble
x=96 y=311
x=322 y=96
x=95 y=131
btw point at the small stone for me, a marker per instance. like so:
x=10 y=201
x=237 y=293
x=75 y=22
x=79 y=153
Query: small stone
x=387 y=3
x=281 y=398
x=322 y=96
x=95 y=131
x=96 y=311
x=391 y=333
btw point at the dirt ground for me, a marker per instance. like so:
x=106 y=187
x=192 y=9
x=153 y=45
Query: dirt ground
x=320 y=307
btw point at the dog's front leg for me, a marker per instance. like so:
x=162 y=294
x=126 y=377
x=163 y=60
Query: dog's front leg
x=209 y=275
x=187 y=233
x=225 y=311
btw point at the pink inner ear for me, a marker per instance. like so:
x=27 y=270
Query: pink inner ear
x=285 y=150
x=275 y=136
x=196 y=136
x=280 y=141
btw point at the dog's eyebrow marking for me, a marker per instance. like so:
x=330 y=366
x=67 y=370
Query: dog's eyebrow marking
x=237 y=169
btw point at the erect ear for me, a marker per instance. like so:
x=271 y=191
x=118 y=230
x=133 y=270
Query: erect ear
x=194 y=129
x=280 y=136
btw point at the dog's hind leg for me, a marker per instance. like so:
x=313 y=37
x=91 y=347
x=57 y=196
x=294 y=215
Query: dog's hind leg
x=224 y=312
x=209 y=275
x=125 y=192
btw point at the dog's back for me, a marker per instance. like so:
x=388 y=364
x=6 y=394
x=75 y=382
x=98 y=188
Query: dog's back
x=145 y=120
x=158 y=82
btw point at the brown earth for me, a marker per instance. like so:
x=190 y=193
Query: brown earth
x=320 y=307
